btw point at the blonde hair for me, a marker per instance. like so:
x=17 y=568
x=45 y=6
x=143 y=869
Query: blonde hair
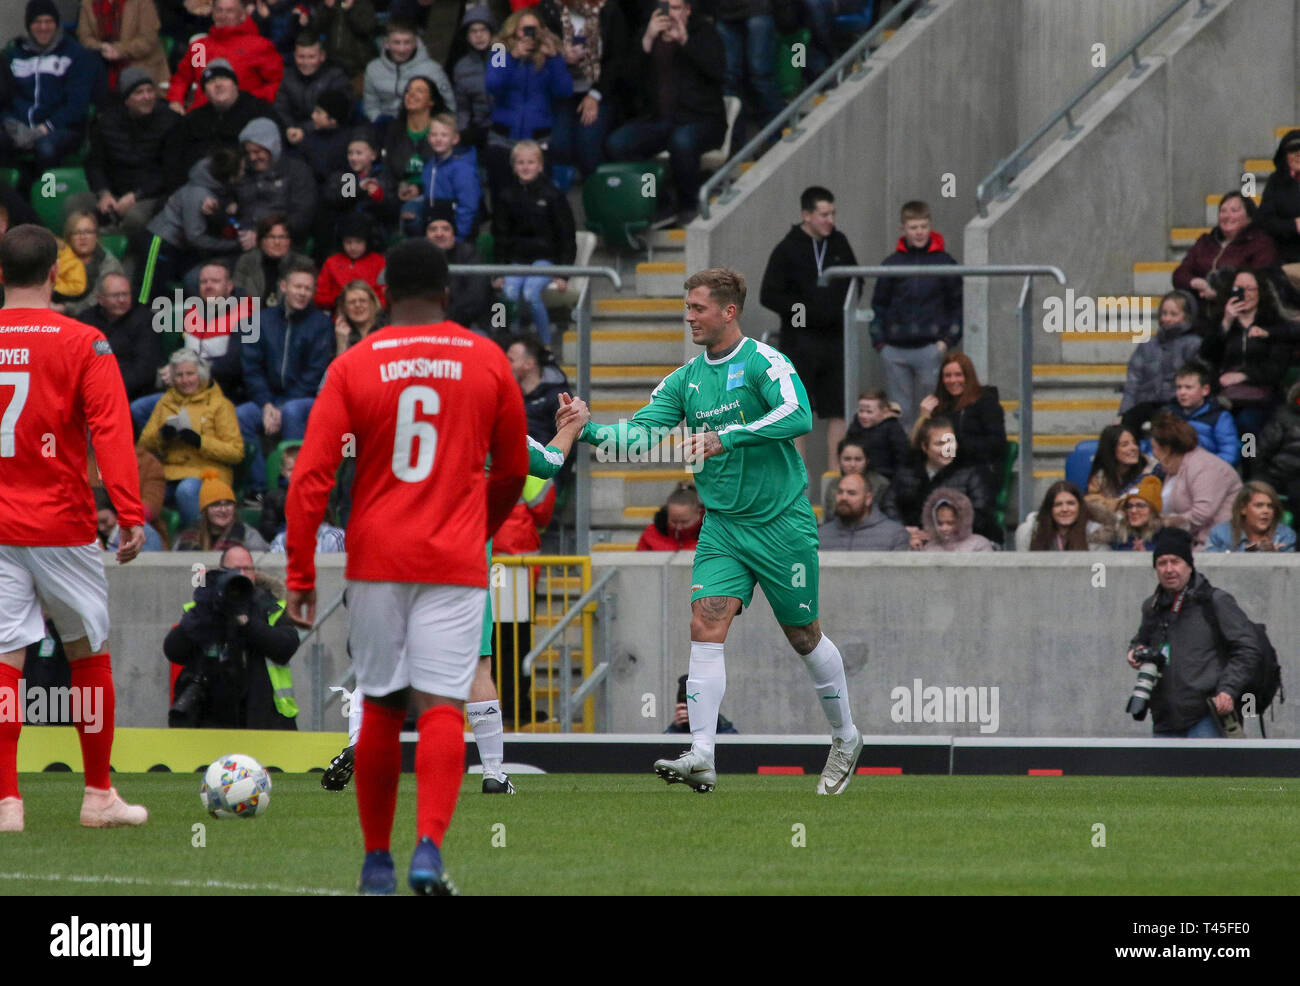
x=510 y=28
x=526 y=145
x=446 y=119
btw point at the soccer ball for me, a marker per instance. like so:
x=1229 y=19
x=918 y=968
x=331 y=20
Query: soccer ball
x=235 y=786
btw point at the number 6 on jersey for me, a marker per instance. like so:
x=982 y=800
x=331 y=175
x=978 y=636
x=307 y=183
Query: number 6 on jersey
x=408 y=431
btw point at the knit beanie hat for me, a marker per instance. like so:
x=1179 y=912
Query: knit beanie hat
x=336 y=104
x=219 y=68
x=40 y=8
x=1148 y=490
x=131 y=79
x=1172 y=541
x=214 y=489
x=444 y=209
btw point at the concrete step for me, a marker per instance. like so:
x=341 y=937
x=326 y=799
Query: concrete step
x=1153 y=277
x=660 y=278
x=647 y=486
x=629 y=345
x=625 y=374
x=1097 y=347
x=1280 y=132
x=625 y=307
x=1212 y=201
x=668 y=241
x=1181 y=238
x=1087 y=375
x=1260 y=167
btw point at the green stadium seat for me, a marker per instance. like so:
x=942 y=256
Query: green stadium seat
x=172 y=521
x=789 y=76
x=61 y=184
x=251 y=516
x=1004 y=494
x=273 y=461
x=168 y=43
x=9 y=176
x=616 y=202
x=486 y=246
x=114 y=243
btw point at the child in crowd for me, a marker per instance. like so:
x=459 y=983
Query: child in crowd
x=533 y=224
x=362 y=186
x=1149 y=384
x=449 y=176
x=469 y=78
x=1215 y=430
x=358 y=260
x=325 y=146
x=875 y=427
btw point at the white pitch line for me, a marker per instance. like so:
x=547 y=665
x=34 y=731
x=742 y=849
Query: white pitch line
x=142 y=882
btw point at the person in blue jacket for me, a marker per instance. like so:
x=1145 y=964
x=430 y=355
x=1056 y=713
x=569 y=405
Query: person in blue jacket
x=1215 y=430
x=450 y=175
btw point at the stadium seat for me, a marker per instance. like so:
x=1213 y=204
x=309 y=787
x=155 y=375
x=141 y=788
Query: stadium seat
x=789 y=76
x=713 y=160
x=1004 y=493
x=64 y=183
x=172 y=522
x=568 y=298
x=273 y=462
x=1078 y=464
x=486 y=246
x=9 y=176
x=616 y=208
x=114 y=243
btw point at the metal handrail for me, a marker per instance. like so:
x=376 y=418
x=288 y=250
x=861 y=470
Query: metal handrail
x=1024 y=308
x=998 y=182
x=722 y=180
x=562 y=624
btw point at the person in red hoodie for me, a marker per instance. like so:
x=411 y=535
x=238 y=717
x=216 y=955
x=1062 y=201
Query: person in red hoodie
x=233 y=37
x=357 y=261
x=676 y=526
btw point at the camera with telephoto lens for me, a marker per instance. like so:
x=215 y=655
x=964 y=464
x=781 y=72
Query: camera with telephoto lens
x=224 y=596
x=1149 y=661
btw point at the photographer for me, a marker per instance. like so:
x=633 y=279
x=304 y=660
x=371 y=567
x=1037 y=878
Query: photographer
x=235 y=652
x=1199 y=646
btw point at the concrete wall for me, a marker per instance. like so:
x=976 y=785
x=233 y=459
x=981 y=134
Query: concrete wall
x=1033 y=626
x=1151 y=149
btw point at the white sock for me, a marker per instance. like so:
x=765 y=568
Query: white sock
x=705 y=686
x=489 y=734
x=354 y=716
x=826 y=668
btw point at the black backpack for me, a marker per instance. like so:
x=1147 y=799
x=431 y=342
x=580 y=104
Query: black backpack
x=1267 y=680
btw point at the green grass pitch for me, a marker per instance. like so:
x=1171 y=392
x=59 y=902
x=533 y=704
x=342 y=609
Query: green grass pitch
x=631 y=834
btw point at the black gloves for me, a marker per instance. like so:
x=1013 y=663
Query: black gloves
x=191 y=437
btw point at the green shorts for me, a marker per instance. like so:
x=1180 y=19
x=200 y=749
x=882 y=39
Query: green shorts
x=781 y=556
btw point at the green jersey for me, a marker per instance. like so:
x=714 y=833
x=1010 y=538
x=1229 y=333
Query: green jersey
x=544 y=461
x=753 y=398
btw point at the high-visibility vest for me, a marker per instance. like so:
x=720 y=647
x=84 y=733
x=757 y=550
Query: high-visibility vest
x=280 y=675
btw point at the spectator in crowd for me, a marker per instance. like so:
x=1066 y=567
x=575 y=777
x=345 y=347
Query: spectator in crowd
x=1279 y=206
x=1117 y=466
x=676 y=525
x=1279 y=449
x=748 y=32
x=596 y=42
x=1256 y=523
x=255 y=64
x=875 y=427
x=234 y=649
x=532 y=224
x=330 y=540
x=153 y=484
x=364 y=186
x=975 y=412
x=1249 y=367
x=1139 y=516
x=471 y=294
x=348 y=27
x=680 y=106
x=1236 y=242
x=51 y=77
x=855 y=526
x=948 y=523
x=1210 y=640
x=193 y=430
x=128 y=326
x=469 y=78
x=108 y=531
x=272 y=184
x=218 y=523
x=819 y=17
x=407 y=148
x=1064 y=524
x=1149 y=382
x=81 y=234
x=812 y=316
x=682 y=717
x=182 y=21
x=357 y=260
x=851 y=457
x=450 y=174
x=257 y=272
x=282 y=21
x=272 y=521
x=324 y=148
x=1198 y=486
x=193 y=224
x=125 y=166
x=541 y=381
x=124 y=33
x=359 y=314
x=934 y=464
x=217 y=123
x=1212 y=422
x=70 y=279
x=917 y=319
x=524 y=79
x=283 y=369
x=388 y=77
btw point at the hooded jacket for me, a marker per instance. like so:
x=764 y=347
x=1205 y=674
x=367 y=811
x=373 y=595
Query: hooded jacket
x=469 y=80
x=522 y=96
x=912 y=484
x=1253 y=248
x=963 y=538
x=1152 y=366
x=290 y=358
x=126 y=151
x=386 y=82
x=50 y=85
x=455 y=178
x=286 y=187
x=213 y=417
x=912 y=312
x=1215 y=430
x=1202 y=662
x=203 y=130
x=1279 y=444
x=874 y=532
x=657 y=536
x=182 y=223
x=257 y=64
x=1279 y=207
x=790 y=287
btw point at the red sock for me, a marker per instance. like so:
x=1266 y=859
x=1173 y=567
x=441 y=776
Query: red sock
x=96 y=674
x=11 y=724
x=377 y=761
x=439 y=767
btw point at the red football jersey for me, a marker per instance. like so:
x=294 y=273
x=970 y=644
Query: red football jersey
x=421 y=407
x=58 y=380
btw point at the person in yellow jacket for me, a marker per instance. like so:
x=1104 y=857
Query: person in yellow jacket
x=193 y=429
